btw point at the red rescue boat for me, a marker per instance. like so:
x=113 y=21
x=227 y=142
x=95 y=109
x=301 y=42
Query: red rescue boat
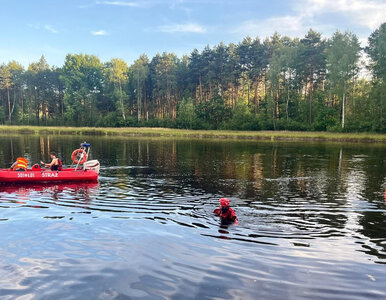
x=36 y=175
x=89 y=170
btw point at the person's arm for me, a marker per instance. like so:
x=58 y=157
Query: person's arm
x=53 y=162
x=232 y=214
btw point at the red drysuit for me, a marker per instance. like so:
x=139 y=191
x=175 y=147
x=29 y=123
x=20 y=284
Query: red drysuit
x=226 y=214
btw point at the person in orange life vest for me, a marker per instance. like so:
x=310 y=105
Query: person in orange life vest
x=225 y=212
x=55 y=164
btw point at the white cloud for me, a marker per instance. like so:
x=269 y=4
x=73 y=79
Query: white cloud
x=182 y=5
x=367 y=13
x=99 y=32
x=119 y=3
x=47 y=27
x=50 y=28
x=288 y=25
x=33 y=26
x=363 y=41
x=306 y=14
x=181 y=28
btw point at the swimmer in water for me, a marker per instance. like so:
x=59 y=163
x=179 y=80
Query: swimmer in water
x=225 y=212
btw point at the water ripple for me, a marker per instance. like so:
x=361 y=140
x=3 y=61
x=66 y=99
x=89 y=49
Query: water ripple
x=311 y=224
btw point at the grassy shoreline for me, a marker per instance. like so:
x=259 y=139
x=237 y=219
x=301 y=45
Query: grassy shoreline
x=182 y=133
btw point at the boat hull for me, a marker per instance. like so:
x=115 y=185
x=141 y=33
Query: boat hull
x=66 y=175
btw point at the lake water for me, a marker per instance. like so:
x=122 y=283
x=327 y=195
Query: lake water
x=312 y=222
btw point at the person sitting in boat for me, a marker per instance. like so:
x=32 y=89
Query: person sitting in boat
x=13 y=165
x=225 y=212
x=55 y=164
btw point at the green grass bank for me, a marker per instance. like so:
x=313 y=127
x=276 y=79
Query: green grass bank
x=181 y=133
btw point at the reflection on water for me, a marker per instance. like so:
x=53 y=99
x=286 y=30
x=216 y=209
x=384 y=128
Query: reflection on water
x=311 y=222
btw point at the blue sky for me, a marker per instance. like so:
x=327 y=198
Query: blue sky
x=128 y=28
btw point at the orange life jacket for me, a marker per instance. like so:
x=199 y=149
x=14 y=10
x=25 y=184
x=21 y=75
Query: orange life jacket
x=21 y=164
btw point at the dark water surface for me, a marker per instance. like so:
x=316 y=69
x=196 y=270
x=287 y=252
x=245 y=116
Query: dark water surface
x=312 y=222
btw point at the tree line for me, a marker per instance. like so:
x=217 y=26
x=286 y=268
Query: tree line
x=280 y=83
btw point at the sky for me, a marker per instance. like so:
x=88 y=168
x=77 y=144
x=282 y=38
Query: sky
x=128 y=28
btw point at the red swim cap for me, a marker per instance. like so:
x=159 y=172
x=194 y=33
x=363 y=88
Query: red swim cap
x=224 y=202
